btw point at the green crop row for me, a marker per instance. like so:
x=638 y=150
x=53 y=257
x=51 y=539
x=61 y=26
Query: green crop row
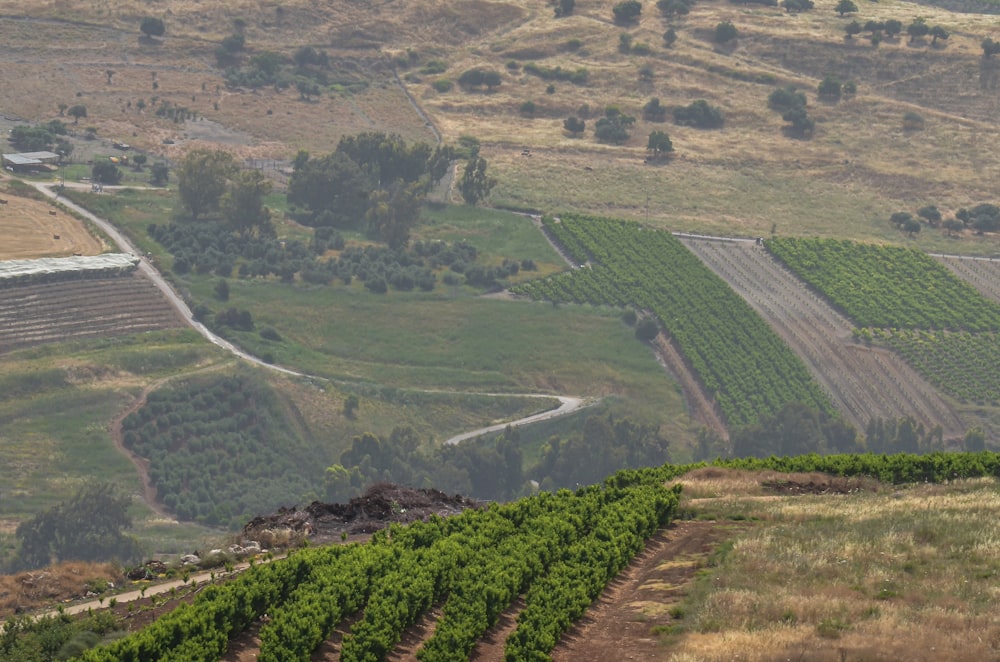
x=741 y=362
x=887 y=286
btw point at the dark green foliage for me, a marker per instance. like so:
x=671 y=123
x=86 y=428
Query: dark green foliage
x=528 y=108
x=222 y=290
x=938 y=32
x=798 y=5
x=627 y=11
x=845 y=7
x=152 y=26
x=477 y=77
x=853 y=28
x=794 y=430
x=654 y=111
x=442 y=85
x=669 y=37
x=913 y=121
x=105 y=172
x=268 y=333
x=699 y=114
x=984 y=217
x=88 y=527
x=659 y=144
x=647 y=329
x=220 y=449
x=475 y=185
x=565 y=8
x=614 y=126
x=990 y=47
x=931 y=214
x=574 y=125
x=57 y=637
x=849 y=88
x=918 y=29
x=725 y=32
x=887 y=286
x=800 y=125
x=892 y=27
x=671 y=8
x=830 y=88
x=31 y=138
x=784 y=99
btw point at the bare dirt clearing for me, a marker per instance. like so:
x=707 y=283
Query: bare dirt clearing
x=33 y=229
x=863 y=382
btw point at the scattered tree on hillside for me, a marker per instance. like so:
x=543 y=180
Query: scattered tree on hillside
x=669 y=37
x=800 y=124
x=627 y=11
x=830 y=88
x=918 y=29
x=477 y=77
x=672 y=8
x=574 y=125
x=892 y=27
x=990 y=47
x=654 y=111
x=798 y=5
x=152 y=27
x=565 y=8
x=475 y=185
x=875 y=27
x=725 y=32
x=849 y=88
x=139 y=160
x=76 y=112
x=333 y=187
x=846 y=7
x=307 y=89
x=912 y=121
x=105 y=172
x=900 y=218
x=699 y=114
x=659 y=144
x=984 y=217
x=785 y=98
x=614 y=126
x=202 y=178
x=937 y=32
x=87 y=527
x=953 y=227
x=853 y=28
x=931 y=214
x=912 y=227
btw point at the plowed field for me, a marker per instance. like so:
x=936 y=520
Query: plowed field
x=86 y=308
x=863 y=382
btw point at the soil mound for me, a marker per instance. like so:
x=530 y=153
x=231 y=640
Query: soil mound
x=381 y=505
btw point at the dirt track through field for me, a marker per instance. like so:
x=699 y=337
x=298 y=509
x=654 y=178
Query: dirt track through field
x=863 y=382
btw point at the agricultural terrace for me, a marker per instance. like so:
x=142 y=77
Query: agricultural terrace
x=887 y=286
x=960 y=363
x=557 y=550
x=864 y=382
x=740 y=361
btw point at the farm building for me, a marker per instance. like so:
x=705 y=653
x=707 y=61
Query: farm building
x=24 y=161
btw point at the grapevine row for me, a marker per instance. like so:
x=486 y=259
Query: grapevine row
x=887 y=286
x=740 y=361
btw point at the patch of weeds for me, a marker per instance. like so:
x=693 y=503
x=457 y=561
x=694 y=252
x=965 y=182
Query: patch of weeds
x=667 y=630
x=909 y=567
x=925 y=534
x=871 y=612
x=887 y=592
x=710 y=625
x=788 y=617
x=717 y=557
x=832 y=628
x=677 y=612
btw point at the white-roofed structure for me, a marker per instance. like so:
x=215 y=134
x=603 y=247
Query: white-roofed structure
x=29 y=160
x=56 y=268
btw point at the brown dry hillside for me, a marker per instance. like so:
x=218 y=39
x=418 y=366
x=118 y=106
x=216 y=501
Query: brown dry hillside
x=748 y=178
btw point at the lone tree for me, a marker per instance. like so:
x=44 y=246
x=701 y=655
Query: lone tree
x=565 y=8
x=853 y=28
x=152 y=27
x=918 y=29
x=845 y=7
x=475 y=184
x=574 y=125
x=659 y=144
x=627 y=11
x=105 y=172
x=202 y=178
x=725 y=32
x=614 y=126
x=830 y=88
x=937 y=32
x=76 y=112
x=159 y=174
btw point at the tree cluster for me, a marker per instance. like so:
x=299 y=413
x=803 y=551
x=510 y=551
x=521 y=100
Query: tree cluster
x=792 y=105
x=984 y=217
x=372 y=180
x=699 y=114
x=796 y=429
x=614 y=126
x=44 y=137
x=90 y=526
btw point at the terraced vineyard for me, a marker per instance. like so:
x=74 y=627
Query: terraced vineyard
x=86 y=308
x=863 y=382
x=739 y=360
x=982 y=273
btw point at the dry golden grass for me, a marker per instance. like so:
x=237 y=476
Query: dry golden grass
x=33 y=229
x=63 y=581
x=887 y=575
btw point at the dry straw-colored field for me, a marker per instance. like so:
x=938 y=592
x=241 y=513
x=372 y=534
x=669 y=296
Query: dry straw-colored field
x=31 y=229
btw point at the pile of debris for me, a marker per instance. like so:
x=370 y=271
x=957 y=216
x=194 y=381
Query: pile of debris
x=382 y=504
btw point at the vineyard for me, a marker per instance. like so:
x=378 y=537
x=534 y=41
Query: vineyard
x=543 y=559
x=887 y=286
x=740 y=361
x=863 y=382
x=76 y=309
x=982 y=273
x=558 y=550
